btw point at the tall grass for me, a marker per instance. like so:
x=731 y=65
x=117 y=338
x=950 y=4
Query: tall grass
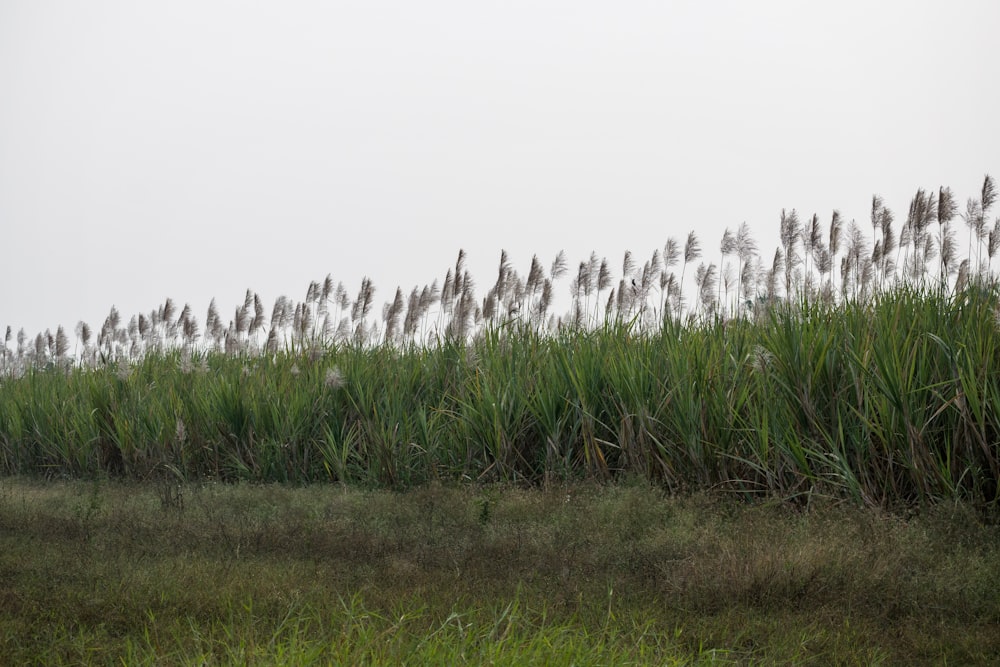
x=772 y=383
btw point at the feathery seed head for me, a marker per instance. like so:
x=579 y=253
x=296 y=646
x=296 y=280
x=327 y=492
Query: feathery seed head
x=728 y=245
x=692 y=248
x=82 y=331
x=789 y=231
x=628 y=264
x=559 y=266
x=168 y=310
x=963 y=276
x=62 y=343
x=989 y=193
x=746 y=247
x=762 y=359
x=328 y=288
x=334 y=379
x=815 y=233
x=603 y=276
x=671 y=253
x=835 y=226
x=947 y=206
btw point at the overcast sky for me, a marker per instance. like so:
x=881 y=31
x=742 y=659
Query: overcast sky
x=196 y=148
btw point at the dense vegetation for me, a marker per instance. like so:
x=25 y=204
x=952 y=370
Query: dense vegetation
x=875 y=384
x=894 y=400
x=845 y=369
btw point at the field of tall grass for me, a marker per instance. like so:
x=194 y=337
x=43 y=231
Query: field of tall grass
x=847 y=365
x=848 y=370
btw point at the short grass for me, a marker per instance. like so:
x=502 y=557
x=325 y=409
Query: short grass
x=103 y=572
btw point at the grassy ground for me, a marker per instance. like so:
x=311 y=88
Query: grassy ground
x=103 y=572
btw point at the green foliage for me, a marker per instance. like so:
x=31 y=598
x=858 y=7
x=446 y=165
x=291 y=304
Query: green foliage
x=889 y=402
x=105 y=572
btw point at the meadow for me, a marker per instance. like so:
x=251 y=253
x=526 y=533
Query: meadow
x=845 y=389
x=104 y=571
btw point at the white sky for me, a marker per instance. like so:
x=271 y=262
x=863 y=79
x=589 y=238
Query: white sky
x=196 y=148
